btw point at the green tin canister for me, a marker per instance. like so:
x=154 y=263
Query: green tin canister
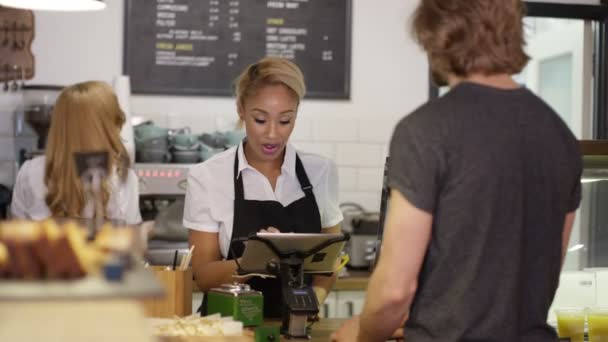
x=239 y=301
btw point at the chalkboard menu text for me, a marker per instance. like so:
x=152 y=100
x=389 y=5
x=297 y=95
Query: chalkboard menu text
x=199 y=47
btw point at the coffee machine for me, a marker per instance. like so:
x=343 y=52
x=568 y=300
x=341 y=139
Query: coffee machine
x=162 y=189
x=33 y=122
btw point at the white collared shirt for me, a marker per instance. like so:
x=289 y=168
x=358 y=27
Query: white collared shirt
x=209 y=203
x=30 y=192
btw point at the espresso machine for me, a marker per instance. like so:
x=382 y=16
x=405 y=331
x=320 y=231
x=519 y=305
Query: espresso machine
x=33 y=122
x=162 y=189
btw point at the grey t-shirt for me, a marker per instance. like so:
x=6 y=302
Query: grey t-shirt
x=498 y=170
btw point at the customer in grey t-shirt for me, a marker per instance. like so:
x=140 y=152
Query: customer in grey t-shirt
x=484 y=184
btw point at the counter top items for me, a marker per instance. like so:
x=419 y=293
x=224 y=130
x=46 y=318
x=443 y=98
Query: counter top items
x=362 y=226
x=571 y=324
x=267 y=333
x=184 y=146
x=238 y=301
x=155 y=144
x=151 y=143
x=33 y=122
x=46 y=260
x=597 y=320
x=90 y=320
x=194 y=325
x=288 y=257
x=177 y=300
x=320 y=332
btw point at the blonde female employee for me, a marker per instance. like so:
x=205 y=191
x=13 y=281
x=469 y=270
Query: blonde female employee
x=262 y=183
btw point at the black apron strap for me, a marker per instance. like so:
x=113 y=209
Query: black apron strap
x=303 y=178
x=239 y=194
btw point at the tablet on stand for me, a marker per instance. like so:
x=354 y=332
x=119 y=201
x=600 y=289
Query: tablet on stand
x=288 y=256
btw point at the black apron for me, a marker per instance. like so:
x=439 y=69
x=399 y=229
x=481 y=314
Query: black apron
x=301 y=216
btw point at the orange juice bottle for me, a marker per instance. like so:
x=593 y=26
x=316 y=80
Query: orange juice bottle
x=571 y=323
x=598 y=325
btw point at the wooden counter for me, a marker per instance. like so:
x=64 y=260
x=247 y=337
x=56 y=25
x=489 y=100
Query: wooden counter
x=320 y=332
x=355 y=281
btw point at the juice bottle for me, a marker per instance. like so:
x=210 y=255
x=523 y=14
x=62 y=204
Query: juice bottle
x=598 y=325
x=571 y=323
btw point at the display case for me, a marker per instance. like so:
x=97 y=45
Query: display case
x=584 y=278
x=588 y=246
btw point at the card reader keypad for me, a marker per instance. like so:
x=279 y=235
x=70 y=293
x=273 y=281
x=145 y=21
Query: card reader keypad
x=302 y=299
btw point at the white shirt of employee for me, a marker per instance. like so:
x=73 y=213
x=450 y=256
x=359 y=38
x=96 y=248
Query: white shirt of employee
x=210 y=190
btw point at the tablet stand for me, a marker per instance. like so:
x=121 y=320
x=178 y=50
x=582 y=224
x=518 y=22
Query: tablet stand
x=299 y=299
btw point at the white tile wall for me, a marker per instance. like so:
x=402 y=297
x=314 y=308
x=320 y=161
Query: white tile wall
x=198 y=123
x=7 y=172
x=324 y=149
x=302 y=131
x=370 y=200
x=7 y=148
x=359 y=154
x=6 y=122
x=335 y=130
x=161 y=120
x=376 y=131
x=370 y=179
x=347 y=177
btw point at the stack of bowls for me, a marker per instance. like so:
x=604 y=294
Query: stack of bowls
x=216 y=142
x=151 y=143
x=185 y=147
x=233 y=138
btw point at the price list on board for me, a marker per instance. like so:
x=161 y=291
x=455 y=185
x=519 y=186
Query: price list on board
x=198 y=47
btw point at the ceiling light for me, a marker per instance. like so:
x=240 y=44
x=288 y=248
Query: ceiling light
x=55 y=5
x=576 y=247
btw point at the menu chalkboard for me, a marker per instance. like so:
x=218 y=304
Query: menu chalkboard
x=199 y=47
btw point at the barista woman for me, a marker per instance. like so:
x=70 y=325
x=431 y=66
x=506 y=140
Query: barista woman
x=86 y=117
x=263 y=184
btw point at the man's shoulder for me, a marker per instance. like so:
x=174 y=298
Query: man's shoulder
x=426 y=116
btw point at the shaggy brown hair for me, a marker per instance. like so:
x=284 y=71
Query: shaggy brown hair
x=462 y=37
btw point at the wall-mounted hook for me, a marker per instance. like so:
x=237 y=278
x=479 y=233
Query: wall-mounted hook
x=15 y=41
x=23 y=29
x=15 y=85
x=22 y=76
x=5 y=28
x=7 y=70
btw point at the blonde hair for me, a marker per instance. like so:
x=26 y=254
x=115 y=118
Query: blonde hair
x=86 y=117
x=269 y=71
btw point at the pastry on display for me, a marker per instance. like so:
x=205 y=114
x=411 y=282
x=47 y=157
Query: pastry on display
x=46 y=250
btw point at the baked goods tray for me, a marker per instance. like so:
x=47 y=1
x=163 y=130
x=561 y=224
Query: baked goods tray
x=139 y=283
